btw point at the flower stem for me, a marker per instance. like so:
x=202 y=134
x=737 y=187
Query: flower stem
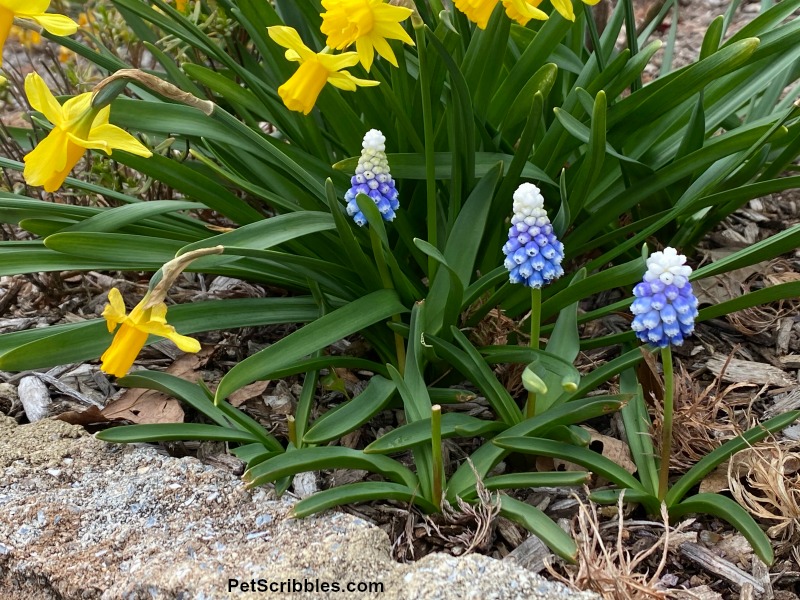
x=530 y=405
x=633 y=43
x=291 y=425
x=436 y=452
x=536 y=316
x=666 y=427
x=598 y=51
x=383 y=269
x=427 y=126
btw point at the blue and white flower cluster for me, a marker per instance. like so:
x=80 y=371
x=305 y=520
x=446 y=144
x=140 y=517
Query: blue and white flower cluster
x=665 y=306
x=533 y=253
x=373 y=179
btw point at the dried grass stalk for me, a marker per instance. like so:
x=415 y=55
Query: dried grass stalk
x=606 y=566
x=765 y=479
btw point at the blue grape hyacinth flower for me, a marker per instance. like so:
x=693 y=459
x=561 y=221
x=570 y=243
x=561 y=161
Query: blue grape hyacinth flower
x=374 y=179
x=665 y=306
x=533 y=253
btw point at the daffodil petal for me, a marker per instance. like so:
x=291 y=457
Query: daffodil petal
x=111 y=137
x=42 y=99
x=24 y=7
x=184 y=342
x=289 y=38
x=337 y=62
x=384 y=49
x=345 y=81
x=393 y=31
x=114 y=311
x=102 y=117
x=161 y=329
x=55 y=24
x=292 y=56
x=564 y=8
x=366 y=52
x=75 y=108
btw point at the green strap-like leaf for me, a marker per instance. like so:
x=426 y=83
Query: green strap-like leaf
x=334 y=326
x=173 y=432
x=419 y=432
x=351 y=415
x=328 y=457
x=363 y=491
x=728 y=510
x=540 y=525
x=488 y=455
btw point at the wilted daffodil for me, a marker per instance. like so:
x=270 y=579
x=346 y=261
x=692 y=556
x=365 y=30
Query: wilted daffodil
x=77 y=126
x=301 y=91
x=135 y=327
x=33 y=10
x=521 y=11
x=564 y=7
x=148 y=317
x=368 y=23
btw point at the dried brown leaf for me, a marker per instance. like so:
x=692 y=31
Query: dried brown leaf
x=248 y=392
x=150 y=406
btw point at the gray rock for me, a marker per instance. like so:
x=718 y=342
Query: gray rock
x=83 y=519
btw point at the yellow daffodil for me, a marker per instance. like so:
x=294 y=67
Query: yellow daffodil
x=129 y=340
x=368 y=23
x=477 y=11
x=521 y=11
x=33 y=10
x=564 y=7
x=77 y=127
x=300 y=92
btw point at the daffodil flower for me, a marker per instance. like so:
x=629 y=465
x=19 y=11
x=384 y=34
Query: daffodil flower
x=77 y=127
x=521 y=11
x=564 y=7
x=368 y=24
x=129 y=340
x=301 y=91
x=33 y=10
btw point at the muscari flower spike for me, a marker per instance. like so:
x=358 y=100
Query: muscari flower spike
x=533 y=252
x=373 y=179
x=665 y=306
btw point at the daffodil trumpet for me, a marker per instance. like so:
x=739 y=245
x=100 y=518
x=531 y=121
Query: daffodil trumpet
x=149 y=317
